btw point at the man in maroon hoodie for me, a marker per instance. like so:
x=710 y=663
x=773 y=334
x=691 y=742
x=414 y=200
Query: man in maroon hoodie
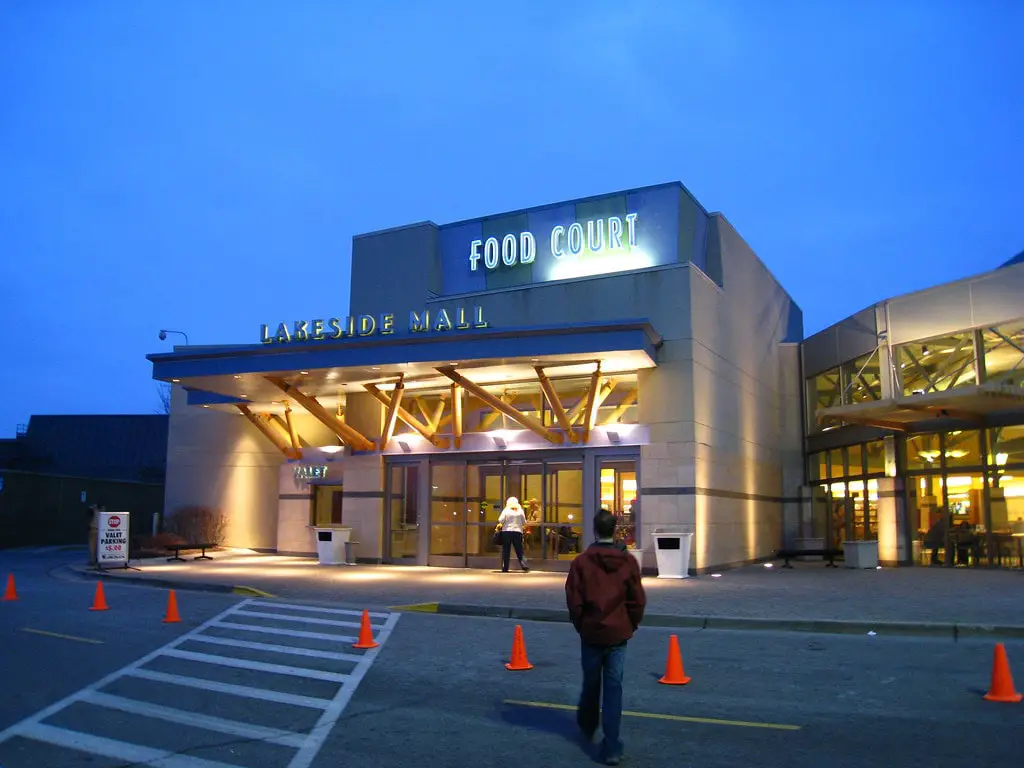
x=606 y=603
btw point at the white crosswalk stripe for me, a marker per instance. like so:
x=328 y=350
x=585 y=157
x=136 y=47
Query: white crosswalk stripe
x=251 y=658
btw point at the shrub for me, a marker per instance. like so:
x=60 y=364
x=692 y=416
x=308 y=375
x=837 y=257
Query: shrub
x=197 y=524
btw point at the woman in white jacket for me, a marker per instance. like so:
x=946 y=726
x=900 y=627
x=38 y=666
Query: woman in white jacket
x=512 y=521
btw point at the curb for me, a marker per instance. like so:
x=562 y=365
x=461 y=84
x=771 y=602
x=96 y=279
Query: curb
x=157 y=581
x=953 y=631
x=821 y=626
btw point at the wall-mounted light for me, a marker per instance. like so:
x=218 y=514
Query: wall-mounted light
x=331 y=448
x=405 y=446
x=499 y=441
x=613 y=436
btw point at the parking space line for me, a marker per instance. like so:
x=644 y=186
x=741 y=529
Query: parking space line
x=659 y=716
x=272 y=648
x=316 y=609
x=62 y=637
x=117 y=750
x=320 y=731
x=257 y=666
x=248 y=692
x=196 y=720
x=302 y=619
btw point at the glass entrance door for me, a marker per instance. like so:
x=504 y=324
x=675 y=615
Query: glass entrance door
x=401 y=521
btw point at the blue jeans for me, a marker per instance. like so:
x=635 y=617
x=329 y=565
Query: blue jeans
x=602 y=664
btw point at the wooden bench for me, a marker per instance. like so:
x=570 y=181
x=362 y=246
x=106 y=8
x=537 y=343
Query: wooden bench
x=828 y=554
x=177 y=549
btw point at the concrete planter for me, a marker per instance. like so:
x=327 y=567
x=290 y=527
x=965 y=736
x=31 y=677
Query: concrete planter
x=861 y=554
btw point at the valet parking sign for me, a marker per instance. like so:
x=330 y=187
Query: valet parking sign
x=113 y=533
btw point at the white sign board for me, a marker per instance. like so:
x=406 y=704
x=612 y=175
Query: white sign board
x=112 y=546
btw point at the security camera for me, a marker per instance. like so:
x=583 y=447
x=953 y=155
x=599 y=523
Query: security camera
x=163 y=335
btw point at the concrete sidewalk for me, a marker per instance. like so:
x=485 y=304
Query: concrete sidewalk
x=810 y=597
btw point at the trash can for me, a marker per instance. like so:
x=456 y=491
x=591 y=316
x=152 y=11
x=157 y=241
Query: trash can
x=331 y=545
x=672 y=549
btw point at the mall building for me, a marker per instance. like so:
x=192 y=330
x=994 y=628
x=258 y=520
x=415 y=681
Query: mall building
x=628 y=351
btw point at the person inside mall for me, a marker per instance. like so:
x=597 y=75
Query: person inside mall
x=512 y=522
x=606 y=602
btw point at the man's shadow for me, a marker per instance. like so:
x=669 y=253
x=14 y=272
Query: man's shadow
x=559 y=722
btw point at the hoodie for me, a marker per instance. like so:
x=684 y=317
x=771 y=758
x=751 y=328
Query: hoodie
x=604 y=595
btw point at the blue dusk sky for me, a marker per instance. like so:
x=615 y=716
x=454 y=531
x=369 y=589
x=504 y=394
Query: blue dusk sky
x=202 y=165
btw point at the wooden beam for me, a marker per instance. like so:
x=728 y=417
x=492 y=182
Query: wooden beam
x=592 y=405
x=404 y=415
x=391 y=414
x=579 y=409
x=556 y=405
x=527 y=421
x=435 y=420
x=283 y=426
x=457 y=415
x=509 y=398
x=418 y=402
x=622 y=407
x=269 y=433
x=347 y=434
x=292 y=434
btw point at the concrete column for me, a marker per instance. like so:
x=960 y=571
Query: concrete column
x=893 y=536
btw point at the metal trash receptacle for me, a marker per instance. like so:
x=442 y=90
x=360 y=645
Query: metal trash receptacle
x=672 y=549
x=331 y=545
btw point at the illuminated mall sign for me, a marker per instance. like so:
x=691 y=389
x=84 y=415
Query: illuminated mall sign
x=595 y=236
x=359 y=326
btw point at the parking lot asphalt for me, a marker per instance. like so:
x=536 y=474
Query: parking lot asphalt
x=268 y=682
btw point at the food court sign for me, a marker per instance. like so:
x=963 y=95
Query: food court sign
x=607 y=235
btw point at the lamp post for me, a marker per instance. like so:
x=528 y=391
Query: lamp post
x=163 y=335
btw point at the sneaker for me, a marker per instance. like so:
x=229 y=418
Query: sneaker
x=526 y=568
x=613 y=759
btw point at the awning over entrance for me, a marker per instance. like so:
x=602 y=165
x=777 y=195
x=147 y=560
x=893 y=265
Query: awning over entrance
x=904 y=413
x=423 y=382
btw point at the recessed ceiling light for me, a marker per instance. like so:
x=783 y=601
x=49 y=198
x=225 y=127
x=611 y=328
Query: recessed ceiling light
x=176 y=380
x=304 y=373
x=375 y=368
x=243 y=395
x=237 y=376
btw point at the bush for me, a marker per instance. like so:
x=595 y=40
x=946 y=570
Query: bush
x=197 y=524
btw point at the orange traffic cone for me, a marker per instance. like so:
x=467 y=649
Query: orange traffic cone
x=519 y=661
x=1002 y=681
x=674 y=674
x=365 y=633
x=99 y=602
x=10 y=593
x=172 y=616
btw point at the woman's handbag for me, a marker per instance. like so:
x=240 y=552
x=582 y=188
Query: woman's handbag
x=497 y=536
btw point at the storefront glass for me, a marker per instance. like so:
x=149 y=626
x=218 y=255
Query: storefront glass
x=1004 y=354
x=938 y=364
x=619 y=496
x=1006 y=446
x=402 y=504
x=327 y=505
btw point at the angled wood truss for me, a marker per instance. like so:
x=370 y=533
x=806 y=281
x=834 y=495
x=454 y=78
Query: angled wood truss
x=345 y=433
x=285 y=440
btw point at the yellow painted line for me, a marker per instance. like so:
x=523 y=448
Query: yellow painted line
x=62 y=637
x=418 y=607
x=251 y=591
x=658 y=716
